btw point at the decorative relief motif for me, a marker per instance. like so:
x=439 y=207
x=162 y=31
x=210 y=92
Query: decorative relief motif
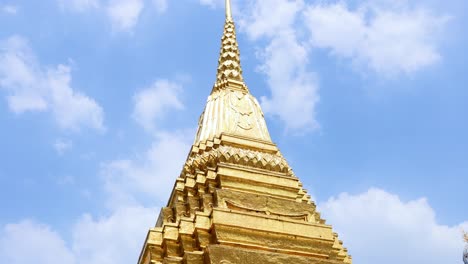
x=239 y=156
x=242 y=109
x=234 y=112
x=168 y=215
x=267 y=211
x=267 y=205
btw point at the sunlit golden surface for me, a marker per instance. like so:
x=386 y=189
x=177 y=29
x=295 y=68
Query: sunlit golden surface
x=236 y=199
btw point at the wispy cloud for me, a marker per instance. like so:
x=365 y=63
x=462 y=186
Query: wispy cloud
x=128 y=186
x=385 y=38
x=294 y=88
x=284 y=60
x=212 y=3
x=32 y=87
x=152 y=104
x=62 y=145
x=376 y=221
x=9 y=9
x=43 y=246
x=123 y=15
x=79 y=5
x=152 y=174
x=66 y=180
x=389 y=40
x=123 y=232
x=161 y=5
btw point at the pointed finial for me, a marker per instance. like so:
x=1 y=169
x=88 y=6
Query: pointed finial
x=229 y=66
x=228 y=10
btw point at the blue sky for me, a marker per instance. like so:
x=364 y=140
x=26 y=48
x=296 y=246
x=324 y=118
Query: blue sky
x=99 y=103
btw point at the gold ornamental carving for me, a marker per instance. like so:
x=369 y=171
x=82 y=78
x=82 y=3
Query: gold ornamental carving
x=240 y=156
x=243 y=110
x=237 y=199
x=234 y=112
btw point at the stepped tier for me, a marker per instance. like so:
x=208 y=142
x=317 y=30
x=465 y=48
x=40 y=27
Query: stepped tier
x=237 y=200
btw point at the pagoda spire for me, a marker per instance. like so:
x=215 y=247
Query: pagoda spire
x=228 y=10
x=229 y=65
x=230 y=108
x=236 y=199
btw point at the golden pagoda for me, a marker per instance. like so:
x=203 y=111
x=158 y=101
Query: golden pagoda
x=237 y=200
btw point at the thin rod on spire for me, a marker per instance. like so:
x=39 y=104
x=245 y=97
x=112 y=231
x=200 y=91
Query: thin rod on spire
x=228 y=10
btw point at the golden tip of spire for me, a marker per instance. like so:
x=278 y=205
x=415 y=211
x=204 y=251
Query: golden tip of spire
x=228 y=10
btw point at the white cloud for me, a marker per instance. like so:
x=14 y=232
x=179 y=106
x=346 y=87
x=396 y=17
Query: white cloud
x=377 y=227
x=9 y=9
x=18 y=75
x=28 y=242
x=115 y=239
x=128 y=184
x=160 y=5
x=62 y=146
x=391 y=40
x=269 y=18
x=387 y=37
x=153 y=103
x=284 y=60
x=294 y=89
x=66 y=180
x=124 y=14
x=131 y=181
x=212 y=3
x=121 y=232
x=94 y=241
x=79 y=5
x=32 y=87
x=72 y=109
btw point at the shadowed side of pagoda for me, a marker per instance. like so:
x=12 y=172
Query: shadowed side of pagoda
x=237 y=200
